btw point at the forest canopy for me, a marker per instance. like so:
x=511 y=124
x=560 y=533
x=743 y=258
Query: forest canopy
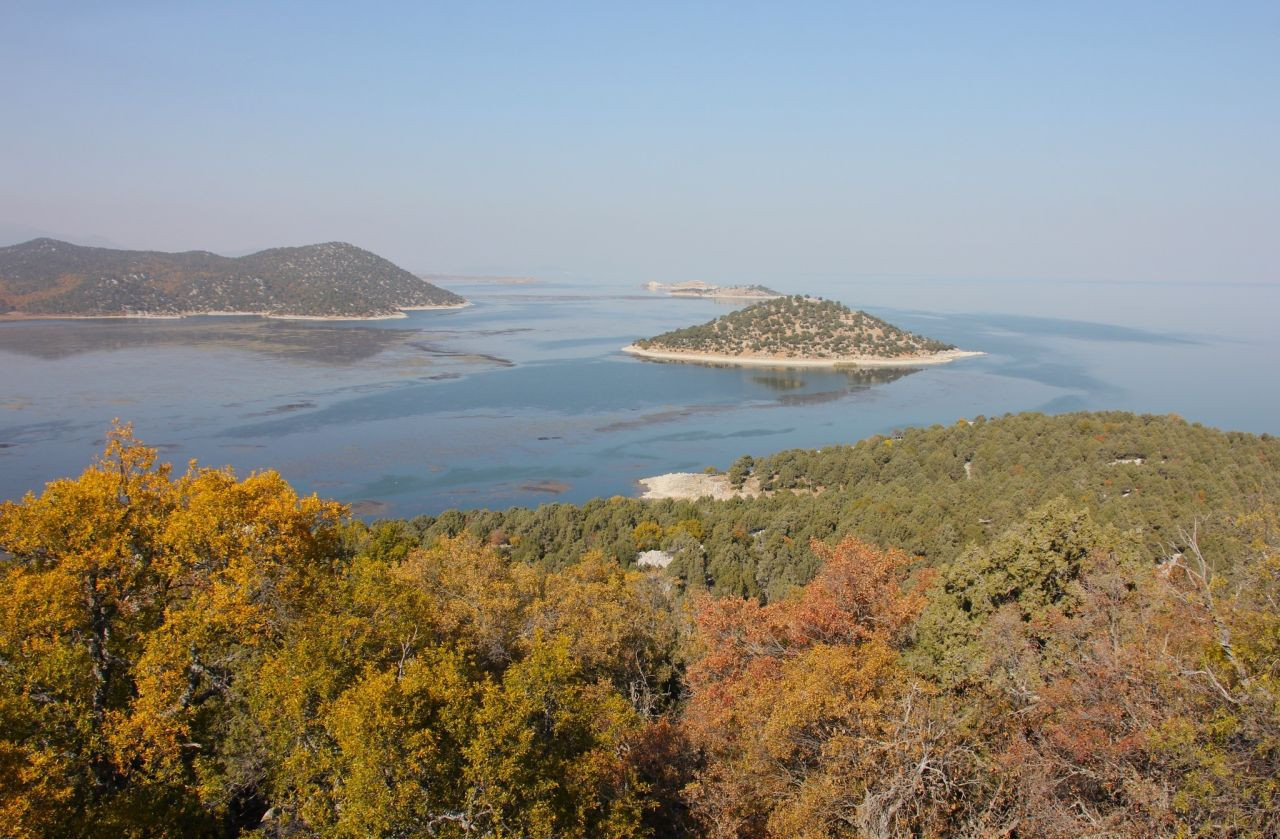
x=1030 y=626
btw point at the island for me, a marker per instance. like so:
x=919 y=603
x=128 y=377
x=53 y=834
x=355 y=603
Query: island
x=47 y=278
x=696 y=288
x=798 y=331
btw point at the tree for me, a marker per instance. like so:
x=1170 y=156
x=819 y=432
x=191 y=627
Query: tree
x=1143 y=704
x=131 y=601
x=1031 y=569
x=647 y=535
x=546 y=760
x=458 y=694
x=790 y=702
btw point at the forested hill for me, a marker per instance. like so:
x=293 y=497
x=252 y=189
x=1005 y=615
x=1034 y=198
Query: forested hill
x=796 y=327
x=1089 y=648
x=931 y=491
x=335 y=279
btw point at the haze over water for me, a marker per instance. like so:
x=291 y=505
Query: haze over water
x=864 y=152
x=524 y=397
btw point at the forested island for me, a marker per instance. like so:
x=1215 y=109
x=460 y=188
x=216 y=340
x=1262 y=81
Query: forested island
x=49 y=278
x=798 y=331
x=1021 y=626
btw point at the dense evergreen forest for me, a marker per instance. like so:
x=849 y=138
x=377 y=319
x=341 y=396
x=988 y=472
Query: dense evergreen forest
x=796 y=327
x=1022 y=626
x=929 y=491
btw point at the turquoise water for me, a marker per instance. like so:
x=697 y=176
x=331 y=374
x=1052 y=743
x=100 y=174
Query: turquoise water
x=524 y=397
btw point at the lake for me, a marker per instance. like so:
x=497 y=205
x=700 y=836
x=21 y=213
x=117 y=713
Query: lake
x=524 y=397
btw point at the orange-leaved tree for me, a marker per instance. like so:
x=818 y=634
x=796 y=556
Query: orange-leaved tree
x=796 y=705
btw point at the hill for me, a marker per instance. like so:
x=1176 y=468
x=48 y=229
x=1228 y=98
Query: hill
x=46 y=277
x=931 y=491
x=797 y=328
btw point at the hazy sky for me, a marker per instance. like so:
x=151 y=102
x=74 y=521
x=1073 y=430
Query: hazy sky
x=630 y=141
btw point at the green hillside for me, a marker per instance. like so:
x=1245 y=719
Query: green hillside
x=914 y=491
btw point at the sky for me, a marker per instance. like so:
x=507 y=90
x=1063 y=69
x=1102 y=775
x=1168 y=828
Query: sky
x=1105 y=142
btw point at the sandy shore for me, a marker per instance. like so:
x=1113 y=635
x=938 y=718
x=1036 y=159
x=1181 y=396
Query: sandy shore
x=768 y=361
x=148 y=316
x=689 y=486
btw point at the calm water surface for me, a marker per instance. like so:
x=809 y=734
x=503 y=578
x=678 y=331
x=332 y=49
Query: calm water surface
x=524 y=398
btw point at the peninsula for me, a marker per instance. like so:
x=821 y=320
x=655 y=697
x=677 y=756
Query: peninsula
x=50 y=278
x=696 y=288
x=798 y=331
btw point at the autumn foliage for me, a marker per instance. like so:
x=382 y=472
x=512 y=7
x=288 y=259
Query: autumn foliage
x=792 y=703
x=1059 y=686
x=129 y=600
x=198 y=654
x=201 y=655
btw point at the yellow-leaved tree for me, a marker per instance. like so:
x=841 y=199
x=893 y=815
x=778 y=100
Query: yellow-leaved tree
x=131 y=601
x=453 y=693
x=198 y=654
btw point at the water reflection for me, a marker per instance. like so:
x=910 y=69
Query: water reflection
x=792 y=379
x=780 y=381
x=315 y=342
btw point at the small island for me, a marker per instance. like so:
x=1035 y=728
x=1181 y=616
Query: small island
x=697 y=288
x=798 y=331
x=47 y=278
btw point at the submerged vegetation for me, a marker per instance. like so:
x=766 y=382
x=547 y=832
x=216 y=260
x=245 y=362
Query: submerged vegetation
x=1030 y=626
x=796 y=327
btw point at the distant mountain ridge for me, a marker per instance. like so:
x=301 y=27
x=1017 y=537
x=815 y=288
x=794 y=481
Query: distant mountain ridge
x=334 y=279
